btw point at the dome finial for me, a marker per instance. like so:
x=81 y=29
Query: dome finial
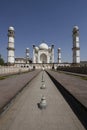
x=43 y=41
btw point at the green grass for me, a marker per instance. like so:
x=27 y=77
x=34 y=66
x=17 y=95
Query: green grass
x=5 y=77
x=85 y=78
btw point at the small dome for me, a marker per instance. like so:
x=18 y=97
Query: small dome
x=36 y=49
x=43 y=46
x=76 y=27
x=59 y=48
x=11 y=28
x=49 y=48
x=27 y=48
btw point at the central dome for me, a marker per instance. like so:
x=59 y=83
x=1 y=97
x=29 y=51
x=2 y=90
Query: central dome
x=43 y=46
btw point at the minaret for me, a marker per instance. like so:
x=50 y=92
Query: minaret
x=27 y=55
x=10 y=48
x=33 y=53
x=52 y=53
x=59 y=55
x=76 y=47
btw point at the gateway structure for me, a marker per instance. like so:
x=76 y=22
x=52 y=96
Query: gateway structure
x=43 y=53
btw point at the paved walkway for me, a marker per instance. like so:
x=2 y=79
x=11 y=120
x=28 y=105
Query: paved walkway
x=24 y=113
x=75 y=85
x=9 y=87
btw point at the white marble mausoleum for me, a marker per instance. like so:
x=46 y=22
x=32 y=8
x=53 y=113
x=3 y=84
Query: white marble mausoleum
x=43 y=53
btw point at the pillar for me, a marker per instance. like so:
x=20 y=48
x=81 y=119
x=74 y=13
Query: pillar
x=52 y=53
x=76 y=46
x=11 y=48
x=59 y=55
x=33 y=53
x=27 y=55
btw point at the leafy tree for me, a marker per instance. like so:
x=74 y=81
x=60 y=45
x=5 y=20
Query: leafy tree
x=1 y=60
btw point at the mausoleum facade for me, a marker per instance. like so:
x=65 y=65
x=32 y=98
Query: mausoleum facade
x=43 y=53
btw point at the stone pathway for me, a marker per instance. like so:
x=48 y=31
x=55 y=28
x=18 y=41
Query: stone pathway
x=9 y=87
x=75 y=85
x=24 y=113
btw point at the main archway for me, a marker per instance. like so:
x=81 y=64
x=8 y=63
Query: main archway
x=43 y=58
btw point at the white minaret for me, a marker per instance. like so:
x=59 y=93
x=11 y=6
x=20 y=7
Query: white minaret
x=76 y=47
x=33 y=53
x=27 y=55
x=10 y=48
x=52 y=53
x=59 y=55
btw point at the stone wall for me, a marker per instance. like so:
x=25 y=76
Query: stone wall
x=81 y=70
x=11 y=70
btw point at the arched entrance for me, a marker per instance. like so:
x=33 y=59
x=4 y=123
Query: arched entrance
x=43 y=58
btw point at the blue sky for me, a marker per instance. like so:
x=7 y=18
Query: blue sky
x=48 y=20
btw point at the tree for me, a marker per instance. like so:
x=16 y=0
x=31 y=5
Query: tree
x=1 y=60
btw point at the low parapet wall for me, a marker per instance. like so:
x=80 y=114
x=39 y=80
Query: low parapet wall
x=11 y=69
x=41 y=65
x=81 y=70
x=17 y=68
